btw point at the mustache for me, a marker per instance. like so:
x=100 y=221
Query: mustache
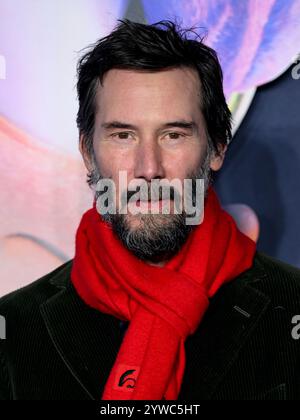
x=149 y=192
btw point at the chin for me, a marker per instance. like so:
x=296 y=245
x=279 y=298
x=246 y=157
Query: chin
x=136 y=221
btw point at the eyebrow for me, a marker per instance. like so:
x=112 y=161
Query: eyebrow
x=121 y=125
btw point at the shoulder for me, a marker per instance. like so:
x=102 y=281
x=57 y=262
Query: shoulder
x=22 y=323
x=31 y=296
x=275 y=278
x=278 y=270
x=277 y=267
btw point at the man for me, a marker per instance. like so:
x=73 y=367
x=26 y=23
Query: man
x=153 y=306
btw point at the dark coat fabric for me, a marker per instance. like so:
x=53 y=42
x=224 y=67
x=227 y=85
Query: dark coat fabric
x=58 y=348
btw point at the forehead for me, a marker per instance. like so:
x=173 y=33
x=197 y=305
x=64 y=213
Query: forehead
x=127 y=93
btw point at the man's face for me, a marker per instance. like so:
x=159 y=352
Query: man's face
x=150 y=124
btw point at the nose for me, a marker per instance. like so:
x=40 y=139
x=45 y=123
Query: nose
x=148 y=161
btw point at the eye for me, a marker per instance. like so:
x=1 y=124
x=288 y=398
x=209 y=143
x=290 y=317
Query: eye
x=122 y=135
x=175 y=136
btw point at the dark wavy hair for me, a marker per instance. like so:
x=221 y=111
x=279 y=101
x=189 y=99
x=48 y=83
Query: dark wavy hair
x=138 y=46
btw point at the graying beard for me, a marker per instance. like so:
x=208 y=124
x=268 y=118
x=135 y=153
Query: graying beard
x=154 y=241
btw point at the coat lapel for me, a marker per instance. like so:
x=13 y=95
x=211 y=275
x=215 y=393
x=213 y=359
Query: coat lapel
x=88 y=340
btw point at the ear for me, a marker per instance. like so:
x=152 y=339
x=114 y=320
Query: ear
x=217 y=160
x=85 y=155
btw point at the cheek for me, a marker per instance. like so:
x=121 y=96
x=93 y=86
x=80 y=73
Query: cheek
x=111 y=162
x=184 y=162
x=195 y=157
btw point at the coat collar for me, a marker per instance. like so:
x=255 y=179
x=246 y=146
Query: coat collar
x=88 y=340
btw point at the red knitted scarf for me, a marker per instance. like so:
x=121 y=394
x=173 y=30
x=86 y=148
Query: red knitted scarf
x=163 y=304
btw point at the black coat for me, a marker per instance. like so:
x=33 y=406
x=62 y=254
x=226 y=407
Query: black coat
x=58 y=348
